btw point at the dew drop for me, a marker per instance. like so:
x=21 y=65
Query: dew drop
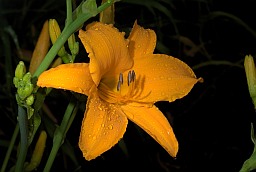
x=168 y=132
x=110 y=127
x=100 y=108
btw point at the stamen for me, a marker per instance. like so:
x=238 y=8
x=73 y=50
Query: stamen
x=133 y=76
x=129 y=77
x=118 y=86
x=121 y=79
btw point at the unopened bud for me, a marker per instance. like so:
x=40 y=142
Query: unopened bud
x=251 y=76
x=54 y=31
x=27 y=78
x=38 y=152
x=107 y=16
x=30 y=100
x=20 y=70
x=25 y=91
x=73 y=45
x=15 y=82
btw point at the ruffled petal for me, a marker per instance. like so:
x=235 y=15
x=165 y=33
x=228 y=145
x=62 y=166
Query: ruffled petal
x=102 y=127
x=142 y=41
x=152 y=121
x=74 y=77
x=162 y=78
x=108 y=50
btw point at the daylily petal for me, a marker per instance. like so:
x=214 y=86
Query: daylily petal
x=142 y=41
x=102 y=127
x=151 y=120
x=108 y=50
x=75 y=77
x=162 y=78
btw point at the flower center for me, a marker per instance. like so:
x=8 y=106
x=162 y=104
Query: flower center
x=122 y=92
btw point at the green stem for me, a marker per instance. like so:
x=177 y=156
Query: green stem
x=67 y=31
x=69 y=12
x=23 y=124
x=10 y=147
x=60 y=133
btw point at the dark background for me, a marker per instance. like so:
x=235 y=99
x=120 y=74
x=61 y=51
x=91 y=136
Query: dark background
x=212 y=123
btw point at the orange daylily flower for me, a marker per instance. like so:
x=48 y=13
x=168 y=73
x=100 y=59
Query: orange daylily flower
x=122 y=81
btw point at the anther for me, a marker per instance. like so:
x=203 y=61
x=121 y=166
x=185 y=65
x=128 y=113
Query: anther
x=133 y=76
x=129 y=77
x=121 y=78
x=120 y=81
x=118 y=86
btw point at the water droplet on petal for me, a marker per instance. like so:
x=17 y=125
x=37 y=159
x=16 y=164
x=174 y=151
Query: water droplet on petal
x=110 y=127
x=100 y=108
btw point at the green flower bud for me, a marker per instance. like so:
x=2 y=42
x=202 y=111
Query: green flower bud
x=73 y=45
x=20 y=70
x=21 y=93
x=251 y=77
x=29 y=89
x=67 y=58
x=15 y=82
x=75 y=50
x=54 y=31
x=27 y=78
x=30 y=100
x=24 y=92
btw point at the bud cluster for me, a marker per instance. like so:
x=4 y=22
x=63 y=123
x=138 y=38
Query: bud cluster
x=22 y=81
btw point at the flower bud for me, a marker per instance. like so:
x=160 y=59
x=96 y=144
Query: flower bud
x=25 y=91
x=107 y=16
x=41 y=48
x=38 y=152
x=20 y=70
x=21 y=93
x=30 y=100
x=15 y=82
x=27 y=78
x=73 y=45
x=251 y=76
x=54 y=31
